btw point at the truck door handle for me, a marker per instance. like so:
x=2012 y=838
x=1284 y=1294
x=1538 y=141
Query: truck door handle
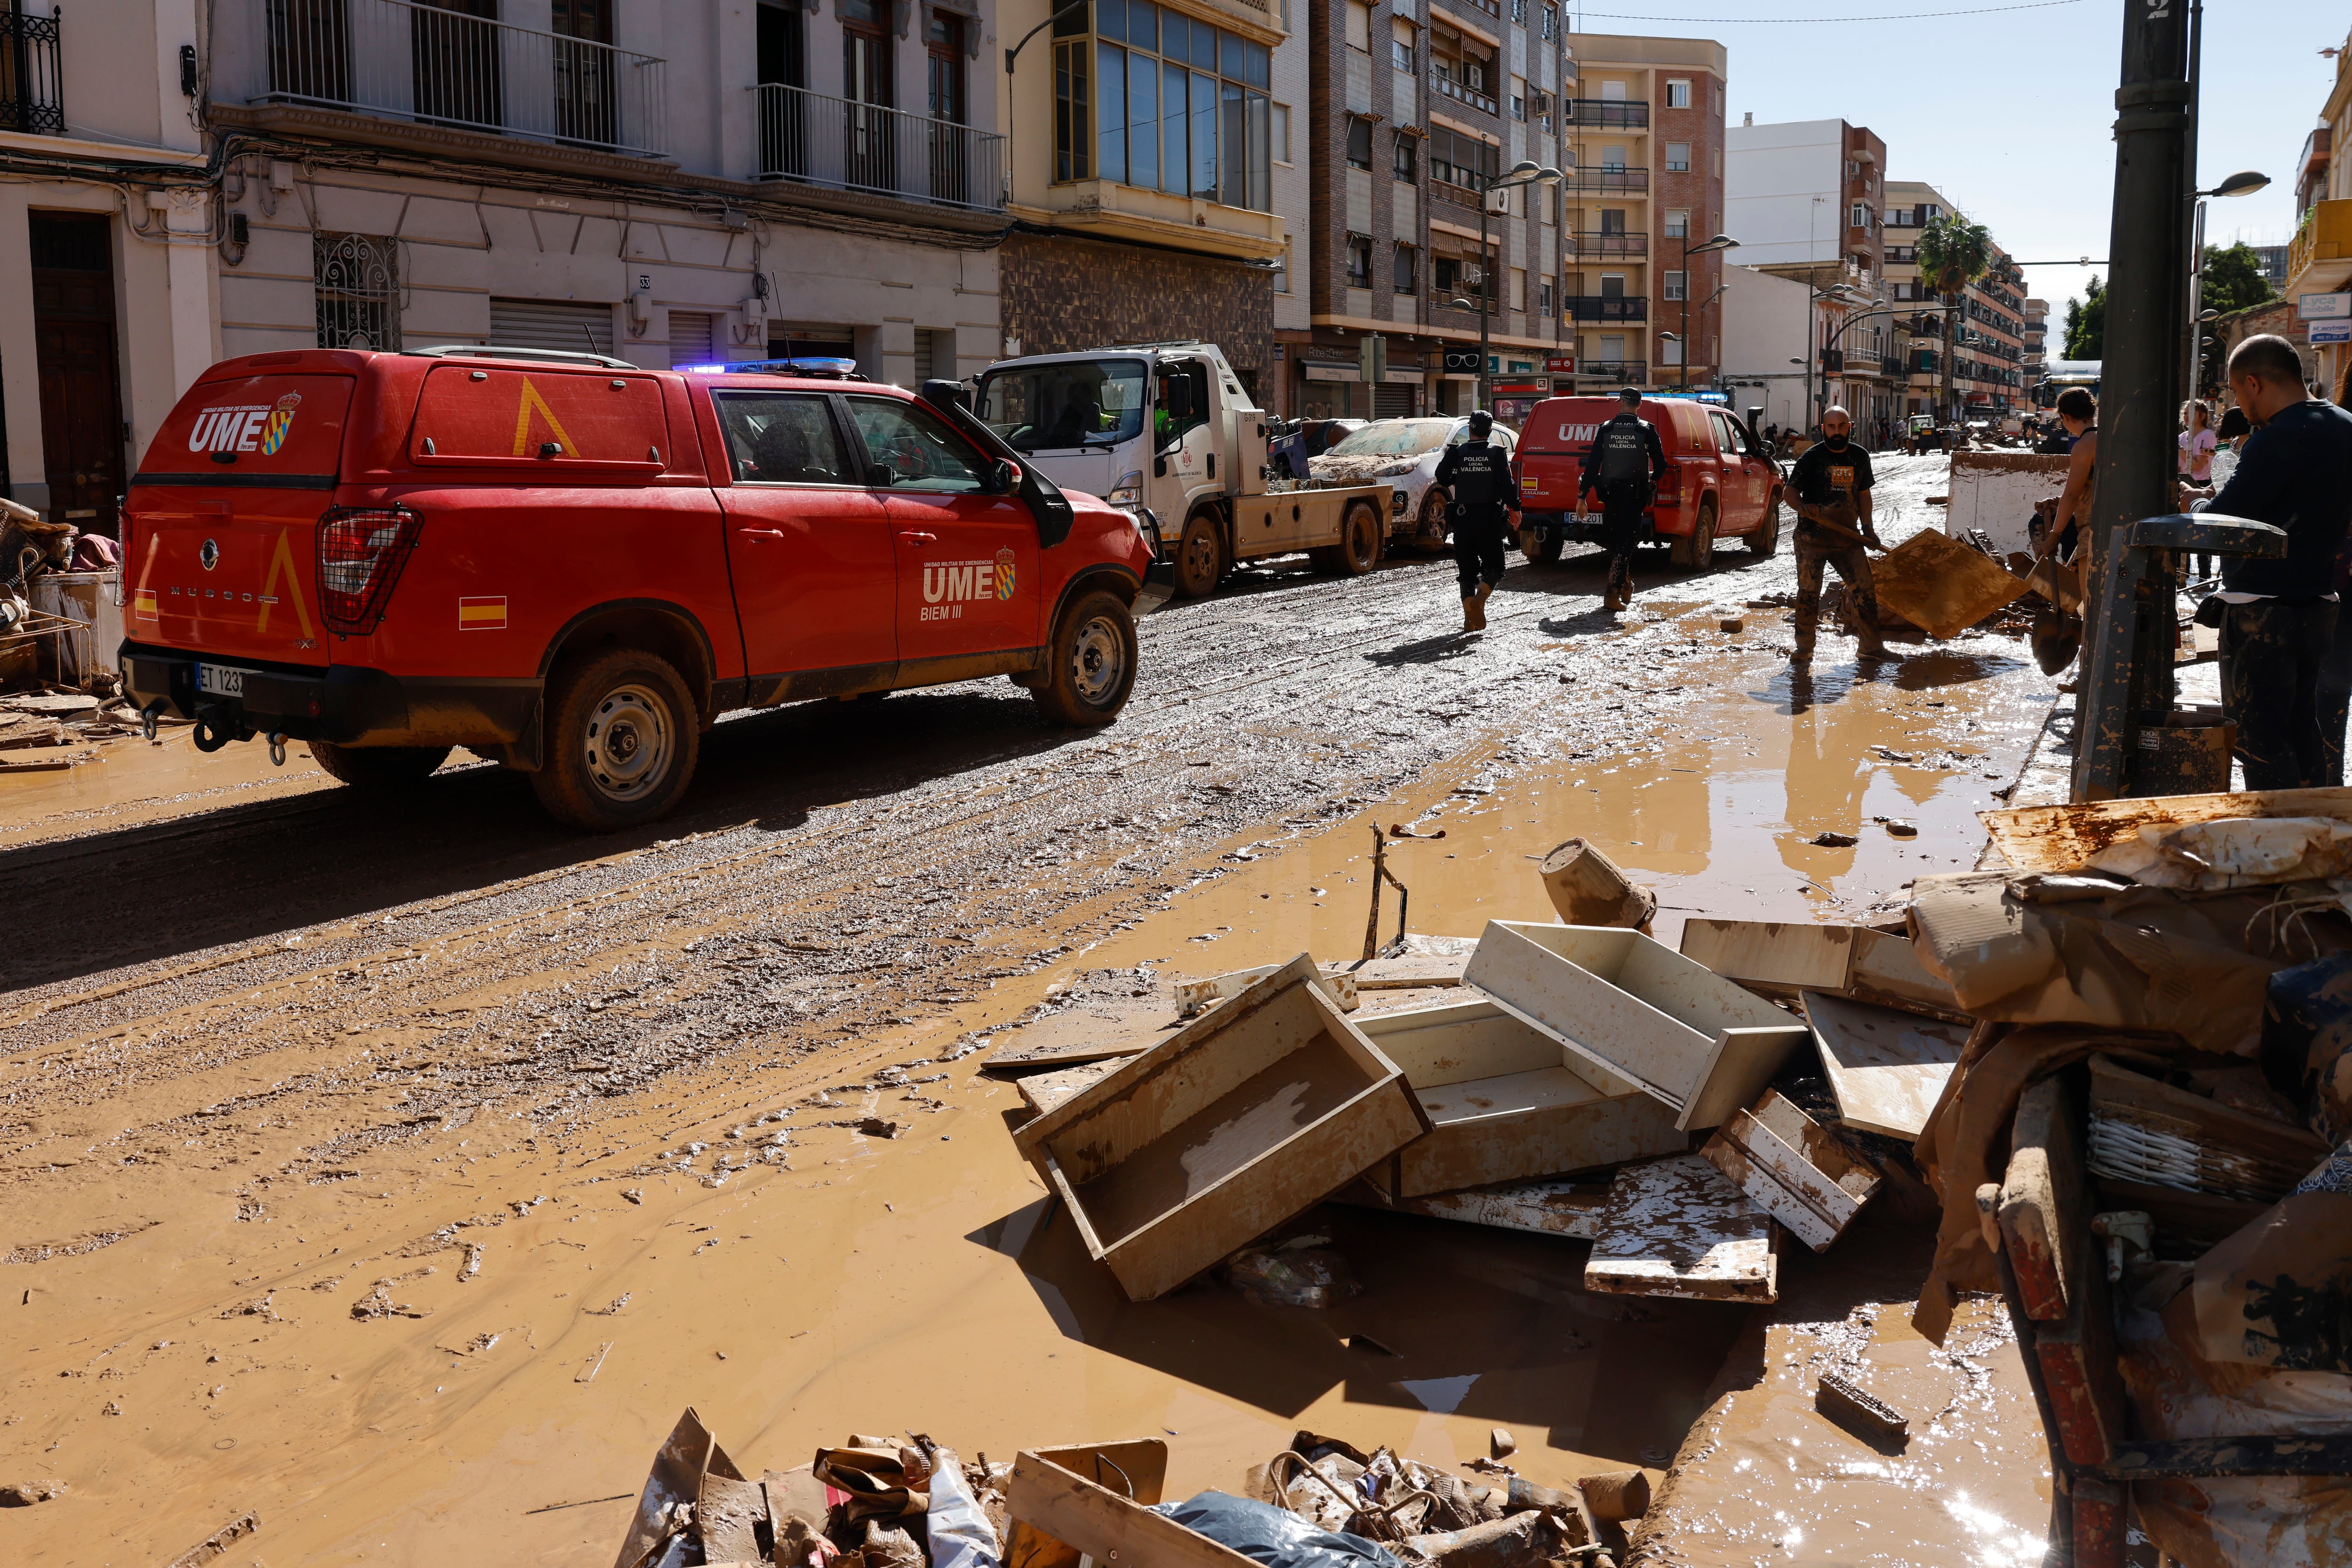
x=919 y=539
x=764 y=533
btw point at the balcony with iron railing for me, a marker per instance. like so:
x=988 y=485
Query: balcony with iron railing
x=1623 y=372
x=2323 y=240
x=1607 y=243
x=811 y=139
x=1606 y=179
x=1608 y=113
x=432 y=66
x=1605 y=307
x=32 y=72
x=1443 y=84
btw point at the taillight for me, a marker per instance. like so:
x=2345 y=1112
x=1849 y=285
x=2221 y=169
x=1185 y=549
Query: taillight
x=360 y=552
x=129 y=562
x=1670 y=483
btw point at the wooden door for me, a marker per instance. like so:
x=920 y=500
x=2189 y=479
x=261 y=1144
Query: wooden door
x=81 y=422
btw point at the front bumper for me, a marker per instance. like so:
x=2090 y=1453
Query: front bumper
x=342 y=704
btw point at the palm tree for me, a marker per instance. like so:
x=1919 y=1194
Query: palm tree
x=1953 y=253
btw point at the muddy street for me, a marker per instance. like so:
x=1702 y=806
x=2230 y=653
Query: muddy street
x=397 y=1167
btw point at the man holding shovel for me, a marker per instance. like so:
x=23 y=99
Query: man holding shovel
x=1832 y=482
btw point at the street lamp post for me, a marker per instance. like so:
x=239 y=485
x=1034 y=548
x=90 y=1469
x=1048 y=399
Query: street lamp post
x=1522 y=173
x=1844 y=294
x=1720 y=242
x=2244 y=183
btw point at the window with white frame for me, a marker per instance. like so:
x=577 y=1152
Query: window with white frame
x=1678 y=157
x=1282 y=133
x=1678 y=95
x=1675 y=289
x=1359 y=262
x=1677 y=223
x=1670 y=351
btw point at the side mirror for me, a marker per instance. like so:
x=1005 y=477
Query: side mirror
x=880 y=475
x=1001 y=477
x=1178 y=396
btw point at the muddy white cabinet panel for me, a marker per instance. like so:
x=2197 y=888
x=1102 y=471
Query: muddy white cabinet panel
x=1638 y=1014
x=1676 y=1227
x=1246 y=1117
x=1504 y=1104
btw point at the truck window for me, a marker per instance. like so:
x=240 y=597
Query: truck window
x=782 y=439
x=1183 y=402
x=917 y=446
x=1069 y=403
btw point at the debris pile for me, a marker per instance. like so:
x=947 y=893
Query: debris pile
x=58 y=621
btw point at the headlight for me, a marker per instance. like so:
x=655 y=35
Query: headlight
x=1129 y=490
x=1393 y=469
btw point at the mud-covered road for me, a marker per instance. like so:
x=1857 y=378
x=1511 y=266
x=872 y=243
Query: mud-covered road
x=307 y=1096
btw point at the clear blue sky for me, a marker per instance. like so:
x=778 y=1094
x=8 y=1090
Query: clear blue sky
x=2012 y=113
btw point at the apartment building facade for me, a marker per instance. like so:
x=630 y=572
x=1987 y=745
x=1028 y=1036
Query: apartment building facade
x=1806 y=200
x=2319 y=256
x=1159 y=178
x=107 y=225
x=2036 y=338
x=1989 y=333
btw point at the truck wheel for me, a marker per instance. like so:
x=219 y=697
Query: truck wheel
x=1430 y=532
x=377 y=767
x=1359 y=539
x=1697 y=549
x=1766 y=540
x=1200 y=557
x=622 y=740
x=1090 y=665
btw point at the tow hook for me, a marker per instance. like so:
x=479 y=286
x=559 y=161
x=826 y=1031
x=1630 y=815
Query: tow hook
x=211 y=734
x=148 y=718
x=277 y=749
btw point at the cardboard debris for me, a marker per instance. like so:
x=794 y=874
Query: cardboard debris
x=1886 y=1067
x=666 y=1507
x=2065 y=837
x=1940 y=585
x=1588 y=888
x=1782 y=959
x=1640 y=1011
x=1552 y=1206
x=1506 y=1102
x=1676 y=1227
x=1791 y=1168
x=1194 y=997
x=1246 y=1116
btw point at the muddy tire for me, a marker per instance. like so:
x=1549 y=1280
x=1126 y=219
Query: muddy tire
x=622 y=737
x=1200 y=557
x=377 y=767
x=1546 y=553
x=1090 y=665
x=1766 y=540
x=1359 y=538
x=1696 y=551
x=1429 y=531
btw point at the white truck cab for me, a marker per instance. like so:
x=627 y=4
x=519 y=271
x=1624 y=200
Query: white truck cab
x=1165 y=430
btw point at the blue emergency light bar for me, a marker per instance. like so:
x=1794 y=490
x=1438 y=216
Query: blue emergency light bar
x=812 y=368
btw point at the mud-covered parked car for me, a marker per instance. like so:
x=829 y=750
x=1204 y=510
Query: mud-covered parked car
x=1405 y=453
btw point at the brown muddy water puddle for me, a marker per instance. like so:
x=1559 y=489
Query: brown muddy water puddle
x=430 y=1356
x=128 y=779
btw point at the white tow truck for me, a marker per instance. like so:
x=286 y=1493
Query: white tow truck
x=1165 y=431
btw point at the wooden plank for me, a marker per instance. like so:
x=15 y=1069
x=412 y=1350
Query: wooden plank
x=1041 y=1091
x=1676 y=1227
x=1194 y=997
x=1103 y=1525
x=2065 y=837
x=1409 y=970
x=2077 y=1352
x=215 y=1545
x=2040 y=1214
x=1941 y=585
x=1254 y=1112
x=1886 y=969
x=1773 y=958
x=2193 y=1458
x=1632 y=1043
x=727 y=1516
x=1784 y=1175
x=1886 y=1067
x=1550 y=1206
x=1738 y=1066
x=2095 y=1513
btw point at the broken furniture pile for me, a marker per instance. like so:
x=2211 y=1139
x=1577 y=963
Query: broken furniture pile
x=58 y=620
x=907 y=1502
x=2146 y=1149
x=1675 y=1109
x=51 y=728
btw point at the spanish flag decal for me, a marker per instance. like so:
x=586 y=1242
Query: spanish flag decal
x=143 y=605
x=482 y=614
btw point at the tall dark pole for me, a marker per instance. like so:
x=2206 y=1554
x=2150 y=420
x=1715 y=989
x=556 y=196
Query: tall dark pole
x=1481 y=394
x=2127 y=657
x=1683 y=386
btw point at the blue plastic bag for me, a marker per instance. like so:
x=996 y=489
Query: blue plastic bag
x=1274 y=1536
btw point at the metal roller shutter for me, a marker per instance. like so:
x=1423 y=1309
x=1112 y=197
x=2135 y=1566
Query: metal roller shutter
x=561 y=324
x=689 y=339
x=1391 y=401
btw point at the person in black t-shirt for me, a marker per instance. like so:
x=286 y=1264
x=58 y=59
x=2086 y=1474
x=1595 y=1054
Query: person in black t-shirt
x=1831 y=482
x=1477 y=474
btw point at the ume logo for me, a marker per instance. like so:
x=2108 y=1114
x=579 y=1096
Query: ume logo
x=1578 y=432
x=244 y=427
x=950 y=586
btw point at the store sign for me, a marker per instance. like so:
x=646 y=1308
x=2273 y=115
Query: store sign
x=2331 y=332
x=1462 y=361
x=2323 y=307
x=1540 y=387
x=1560 y=364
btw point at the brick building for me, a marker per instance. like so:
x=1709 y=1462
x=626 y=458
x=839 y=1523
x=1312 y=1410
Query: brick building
x=1157 y=190
x=1990 y=338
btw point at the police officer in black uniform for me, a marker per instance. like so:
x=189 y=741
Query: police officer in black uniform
x=1477 y=474
x=1624 y=466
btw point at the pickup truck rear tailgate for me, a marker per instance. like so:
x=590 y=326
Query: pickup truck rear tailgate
x=224 y=519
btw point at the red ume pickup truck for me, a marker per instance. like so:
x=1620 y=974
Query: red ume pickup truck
x=573 y=565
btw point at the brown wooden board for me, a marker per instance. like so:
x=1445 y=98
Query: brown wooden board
x=1941 y=585
x=2065 y=837
x=1773 y=958
x=1549 y=1206
x=1888 y=1068
x=1041 y=1091
x=1793 y=1168
x=1676 y=1227
x=2042 y=1217
x=1110 y=1526
x=1250 y=1114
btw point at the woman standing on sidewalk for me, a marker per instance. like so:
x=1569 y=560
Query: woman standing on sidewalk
x=2197 y=444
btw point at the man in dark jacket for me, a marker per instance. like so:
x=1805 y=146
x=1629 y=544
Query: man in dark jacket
x=2279 y=615
x=1832 y=482
x=1477 y=474
x=1623 y=468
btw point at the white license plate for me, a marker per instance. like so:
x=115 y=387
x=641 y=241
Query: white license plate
x=219 y=681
